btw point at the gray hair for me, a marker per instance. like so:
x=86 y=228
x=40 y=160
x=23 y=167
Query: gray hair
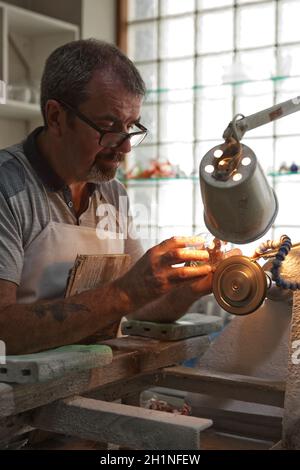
x=69 y=69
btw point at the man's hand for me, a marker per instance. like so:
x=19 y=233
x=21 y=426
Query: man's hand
x=155 y=274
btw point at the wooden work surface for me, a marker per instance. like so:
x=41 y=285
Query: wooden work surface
x=132 y=357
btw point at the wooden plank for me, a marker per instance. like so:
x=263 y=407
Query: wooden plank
x=121 y=388
x=137 y=428
x=131 y=357
x=225 y=385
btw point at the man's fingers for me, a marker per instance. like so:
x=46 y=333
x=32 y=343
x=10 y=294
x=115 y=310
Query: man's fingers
x=188 y=272
x=180 y=242
x=181 y=255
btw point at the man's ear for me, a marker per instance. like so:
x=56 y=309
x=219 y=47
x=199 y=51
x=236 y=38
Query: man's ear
x=54 y=117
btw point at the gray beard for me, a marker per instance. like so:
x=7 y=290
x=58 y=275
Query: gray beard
x=96 y=175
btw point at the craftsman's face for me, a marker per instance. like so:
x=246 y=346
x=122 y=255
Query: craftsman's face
x=111 y=107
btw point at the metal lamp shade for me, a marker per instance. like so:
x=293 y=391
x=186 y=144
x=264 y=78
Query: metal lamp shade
x=241 y=209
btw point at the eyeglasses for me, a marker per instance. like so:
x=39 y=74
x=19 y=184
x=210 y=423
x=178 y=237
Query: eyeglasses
x=111 y=139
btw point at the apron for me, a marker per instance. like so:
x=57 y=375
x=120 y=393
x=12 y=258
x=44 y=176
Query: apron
x=50 y=256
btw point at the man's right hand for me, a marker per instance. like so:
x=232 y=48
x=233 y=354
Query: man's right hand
x=155 y=274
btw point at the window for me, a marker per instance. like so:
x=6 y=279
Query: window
x=204 y=61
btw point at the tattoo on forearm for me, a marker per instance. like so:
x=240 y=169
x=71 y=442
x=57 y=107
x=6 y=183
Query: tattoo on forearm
x=59 y=310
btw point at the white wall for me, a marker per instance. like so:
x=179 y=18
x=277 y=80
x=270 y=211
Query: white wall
x=99 y=19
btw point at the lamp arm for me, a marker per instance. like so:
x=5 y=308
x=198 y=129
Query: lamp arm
x=237 y=128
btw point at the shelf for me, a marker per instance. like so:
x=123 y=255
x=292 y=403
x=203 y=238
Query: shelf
x=289 y=173
x=19 y=110
x=237 y=83
x=155 y=180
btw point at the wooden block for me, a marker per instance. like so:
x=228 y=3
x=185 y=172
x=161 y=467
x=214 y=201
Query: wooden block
x=191 y=324
x=54 y=363
x=137 y=428
x=225 y=385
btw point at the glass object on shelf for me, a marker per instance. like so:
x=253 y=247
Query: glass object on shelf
x=215 y=31
x=288 y=60
x=175 y=207
x=211 y=69
x=286 y=150
x=287 y=89
x=257 y=64
x=256 y=25
x=142 y=41
x=141 y=9
x=141 y=156
x=172 y=33
x=174 y=7
x=178 y=77
x=289 y=13
x=204 y=4
x=176 y=122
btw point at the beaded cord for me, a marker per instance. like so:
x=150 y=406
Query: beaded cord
x=284 y=249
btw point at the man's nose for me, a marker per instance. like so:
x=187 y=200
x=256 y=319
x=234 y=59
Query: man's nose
x=125 y=146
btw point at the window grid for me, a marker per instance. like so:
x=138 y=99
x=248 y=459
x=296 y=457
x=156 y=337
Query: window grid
x=163 y=97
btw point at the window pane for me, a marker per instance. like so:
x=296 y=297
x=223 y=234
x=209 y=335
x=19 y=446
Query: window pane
x=254 y=97
x=288 y=89
x=292 y=232
x=256 y=25
x=176 y=122
x=167 y=232
x=180 y=155
x=288 y=60
x=212 y=70
x=172 y=7
x=141 y=157
x=202 y=4
x=256 y=65
x=172 y=34
x=143 y=202
x=180 y=84
x=213 y=36
x=263 y=149
x=149 y=75
x=175 y=203
x=287 y=190
x=289 y=13
x=139 y=9
x=214 y=112
x=149 y=119
x=142 y=41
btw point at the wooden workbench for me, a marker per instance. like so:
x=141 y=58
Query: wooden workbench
x=137 y=364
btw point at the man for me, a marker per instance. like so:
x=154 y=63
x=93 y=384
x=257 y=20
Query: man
x=52 y=185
